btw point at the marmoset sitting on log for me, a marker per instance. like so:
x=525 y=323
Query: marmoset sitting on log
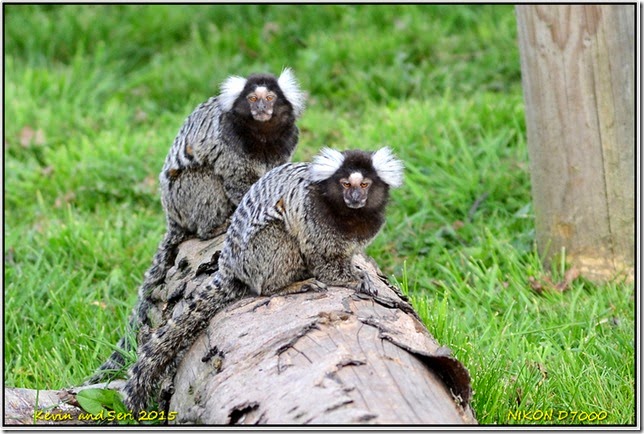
x=299 y=221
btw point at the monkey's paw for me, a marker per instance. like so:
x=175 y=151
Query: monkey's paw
x=366 y=286
x=308 y=285
x=314 y=285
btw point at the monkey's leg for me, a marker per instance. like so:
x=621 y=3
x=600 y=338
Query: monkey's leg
x=196 y=200
x=366 y=285
x=339 y=271
x=268 y=262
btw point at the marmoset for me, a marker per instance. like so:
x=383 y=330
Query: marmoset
x=223 y=147
x=299 y=221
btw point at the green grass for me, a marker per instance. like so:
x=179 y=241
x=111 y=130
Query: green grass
x=94 y=96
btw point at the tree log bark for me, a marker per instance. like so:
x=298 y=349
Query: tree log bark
x=334 y=357
x=577 y=63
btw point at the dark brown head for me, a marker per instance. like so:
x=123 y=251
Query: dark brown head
x=262 y=97
x=353 y=187
x=259 y=114
x=355 y=175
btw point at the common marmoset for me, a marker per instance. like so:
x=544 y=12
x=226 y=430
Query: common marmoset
x=223 y=147
x=299 y=221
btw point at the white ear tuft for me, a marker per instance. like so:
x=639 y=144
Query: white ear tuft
x=325 y=164
x=388 y=167
x=291 y=89
x=230 y=90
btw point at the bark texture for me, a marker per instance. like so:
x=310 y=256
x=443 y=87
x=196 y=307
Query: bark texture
x=333 y=357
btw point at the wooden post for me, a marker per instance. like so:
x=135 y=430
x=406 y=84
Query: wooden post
x=577 y=63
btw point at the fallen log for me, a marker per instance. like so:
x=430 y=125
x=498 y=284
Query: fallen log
x=333 y=357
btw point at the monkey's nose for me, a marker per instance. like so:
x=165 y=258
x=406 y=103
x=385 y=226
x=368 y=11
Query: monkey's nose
x=262 y=116
x=355 y=201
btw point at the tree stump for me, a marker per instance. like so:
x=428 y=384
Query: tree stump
x=334 y=357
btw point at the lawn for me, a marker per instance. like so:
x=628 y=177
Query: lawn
x=95 y=94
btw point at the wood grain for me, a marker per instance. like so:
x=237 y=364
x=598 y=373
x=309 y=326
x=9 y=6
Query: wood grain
x=577 y=63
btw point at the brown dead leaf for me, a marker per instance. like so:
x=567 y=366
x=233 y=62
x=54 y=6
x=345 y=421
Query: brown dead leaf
x=26 y=136
x=140 y=115
x=538 y=367
x=47 y=171
x=542 y=370
x=457 y=225
x=570 y=275
x=39 y=227
x=29 y=137
x=139 y=91
x=40 y=137
x=401 y=24
x=68 y=197
x=535 y=285
x=10 y=255
x=270 y=28
x=546 y=283
x=100 y=304
x=247 y=50
x=148 y=185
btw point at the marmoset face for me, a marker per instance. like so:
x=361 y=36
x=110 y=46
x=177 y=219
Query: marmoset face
x=355 y=189
x=261 y=102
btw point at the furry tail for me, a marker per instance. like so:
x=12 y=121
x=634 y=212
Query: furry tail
x=157 y=354
x=163 y=260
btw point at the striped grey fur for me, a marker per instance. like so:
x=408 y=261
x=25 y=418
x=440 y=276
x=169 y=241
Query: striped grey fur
x=281 y=233
x=218 y=153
